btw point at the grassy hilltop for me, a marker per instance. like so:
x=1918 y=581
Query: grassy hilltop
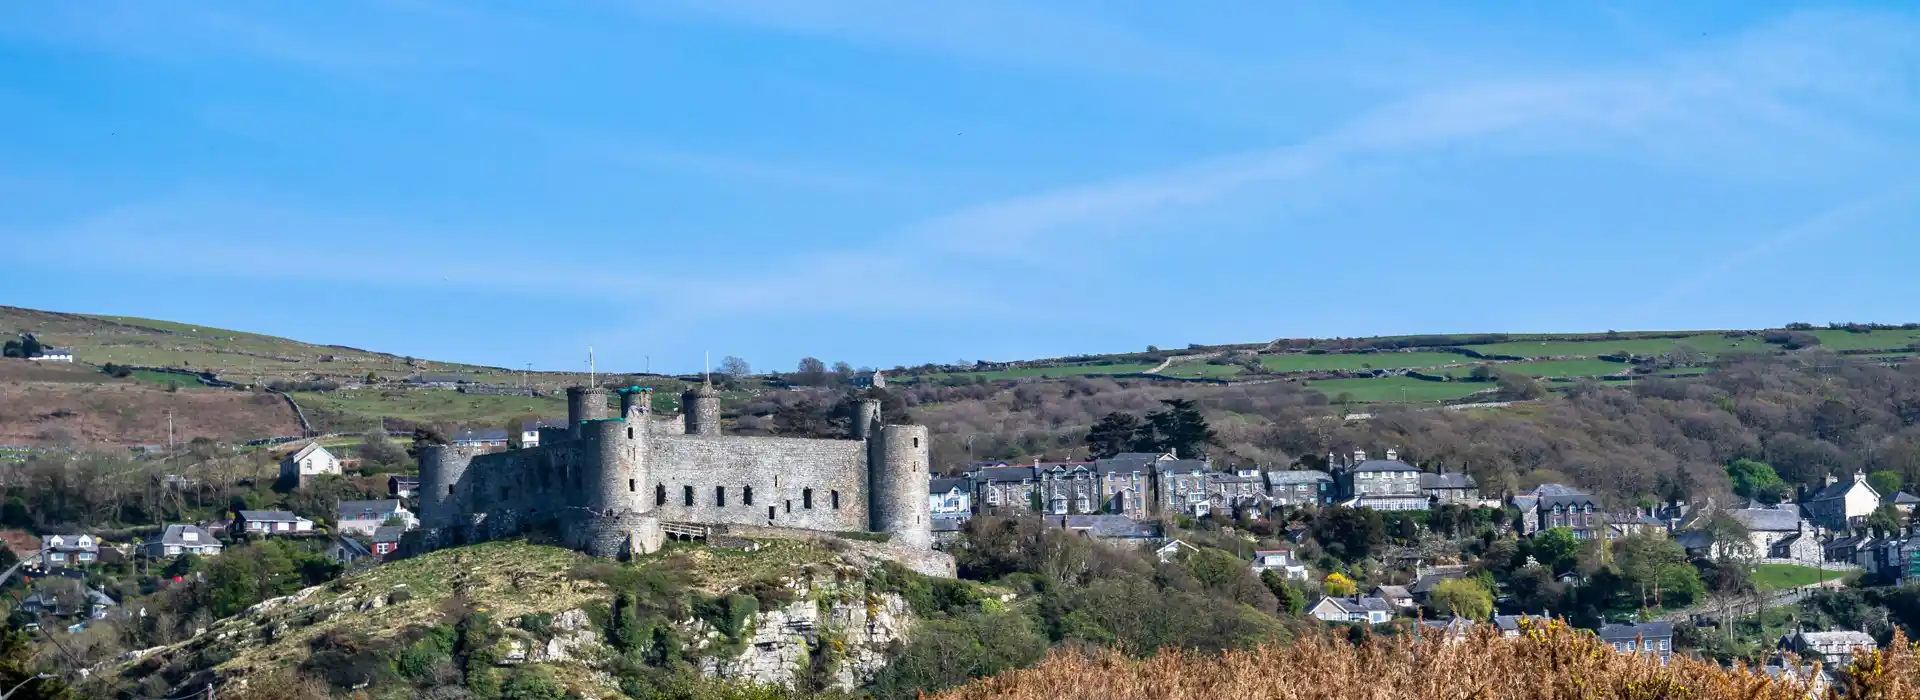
x=81 y=404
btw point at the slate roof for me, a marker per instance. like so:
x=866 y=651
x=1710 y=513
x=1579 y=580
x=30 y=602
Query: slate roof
x=1454 y=480
x=1767 y=519
x=1511 y=623
x=948 y=524
x=388 y=533
x=1173 y=466
x=1128 y=462
x=176 y=535
x=1836 y=489
x=1627 y=632
x=1304 y=476
x=355 y=510
x=1385 y=465
x=1003 y=474
x=1902 y=498
x=1846 y=638
x=943 y=484
x=1233 y=478
x=1427 y=580
x=311 y=448
x=1392 y=592
x=1693 y=539
x=1112 y=526
x=269 y=516
x=353 y=547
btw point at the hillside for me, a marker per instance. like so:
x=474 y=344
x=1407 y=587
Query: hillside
x=794 y=613
x=343 y=389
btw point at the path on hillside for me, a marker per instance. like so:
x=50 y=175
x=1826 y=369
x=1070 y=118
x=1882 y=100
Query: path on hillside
x=1747 y=607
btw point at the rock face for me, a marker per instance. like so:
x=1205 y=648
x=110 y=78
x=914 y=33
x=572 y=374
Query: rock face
x=571 y=633
x=840 y=630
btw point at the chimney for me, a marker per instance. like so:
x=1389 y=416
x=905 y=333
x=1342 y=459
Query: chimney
x=1859 y=476
x=1359 y=456
x=1393 y=454
x=1831 y=479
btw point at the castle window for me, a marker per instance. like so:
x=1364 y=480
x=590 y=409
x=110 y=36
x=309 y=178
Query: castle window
x=916 y=442
x=770 y=513
x=789 y=505
x=449 y=489
x=687 y=492
x=746 y=495
x=720 y=496
x=836 y=499
x=629 y=432
x=659 y=494
x=806 y=498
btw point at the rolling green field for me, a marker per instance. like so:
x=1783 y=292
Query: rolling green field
x=1869 y=340
x=1349 y=362
x=1554 y=368
x=1709 y=343
x=1773 y=577
x=1055 y=371
x=1203 y=369
x=1395 y=389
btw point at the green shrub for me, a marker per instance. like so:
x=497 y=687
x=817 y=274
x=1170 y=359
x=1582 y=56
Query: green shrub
x=531 y=683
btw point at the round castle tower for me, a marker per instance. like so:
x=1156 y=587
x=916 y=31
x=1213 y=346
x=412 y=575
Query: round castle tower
x=615 y=521
x=636 y=404
x=441 y=500
x=897 y=476
x=865 y=419
x=584 y=403
x=700 y=406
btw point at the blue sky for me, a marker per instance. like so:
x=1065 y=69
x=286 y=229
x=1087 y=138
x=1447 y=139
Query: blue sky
x=883 y=182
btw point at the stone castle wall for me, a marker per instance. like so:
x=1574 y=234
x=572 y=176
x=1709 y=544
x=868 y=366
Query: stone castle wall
x=608 y=488
x=798 y=483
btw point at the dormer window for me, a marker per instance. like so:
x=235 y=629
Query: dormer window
x=190 y=536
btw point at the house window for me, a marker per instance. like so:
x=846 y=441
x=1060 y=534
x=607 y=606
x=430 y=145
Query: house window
x=687 y=492
x=659 y=494
x=746 y=495
x=836 y=499
x=806 y=498
x=720 y=496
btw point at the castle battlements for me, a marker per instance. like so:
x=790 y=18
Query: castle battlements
x=609 y=482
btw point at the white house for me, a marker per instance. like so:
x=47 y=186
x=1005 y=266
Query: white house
x=272 y=522
x=69 y=550
x=949 y=497
x=364 y=517
x=181 y=539
x=308 y=462
x=1370 y=610
x=1279 y=560
x=1840 y=505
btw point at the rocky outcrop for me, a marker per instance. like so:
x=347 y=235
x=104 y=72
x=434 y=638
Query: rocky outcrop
x=839 y=632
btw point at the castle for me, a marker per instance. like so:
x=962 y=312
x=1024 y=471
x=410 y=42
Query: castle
x=618 y=485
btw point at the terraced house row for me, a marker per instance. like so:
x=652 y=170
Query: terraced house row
x=1145 y=484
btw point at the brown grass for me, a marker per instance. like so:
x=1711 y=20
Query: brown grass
x=1554 y=662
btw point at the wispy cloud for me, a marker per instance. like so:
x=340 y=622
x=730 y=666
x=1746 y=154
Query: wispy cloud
x=1830 y=222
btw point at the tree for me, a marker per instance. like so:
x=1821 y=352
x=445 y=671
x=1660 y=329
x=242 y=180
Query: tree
x=1642 y=561
x=1885 y=520
x=842 y=373
x=735 y=367
x=378 y=450
x=1113 y=435
x=1756 y=479
x=1555 y=547
x=1349 y=534
x=1339 y=586
x=1179 y=427
x=1886 y=482
x=1520 y=387
x=1292 y=601
x=812 y=372
x=1463 y=598
x=30 y=346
